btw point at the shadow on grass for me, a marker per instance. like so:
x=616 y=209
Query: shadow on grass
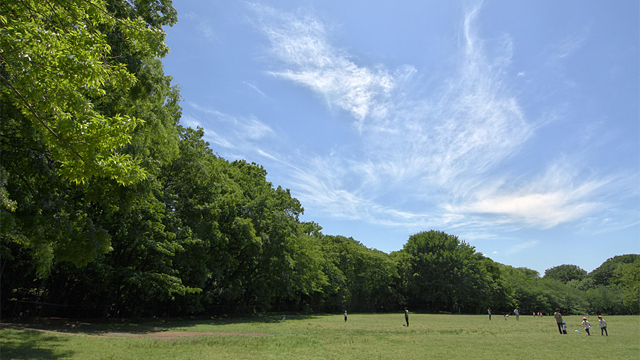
x=23 y=344
x=73 y=327
x=227 y=320
x=139 y=326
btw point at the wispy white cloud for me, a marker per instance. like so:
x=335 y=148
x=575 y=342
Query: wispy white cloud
x=233 y=133
x=248 y=127
x=190 y=121
x=209 y=134
x=255 y=129
x=202 y=27
x=522 y=247
x=206 y=30
x=570 y=44
x=423 y=145
x=300 y=43
x=440 y=155
x=562 y=194
x=255 y=88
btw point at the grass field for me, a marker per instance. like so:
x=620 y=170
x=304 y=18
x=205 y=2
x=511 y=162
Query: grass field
x=364 y=336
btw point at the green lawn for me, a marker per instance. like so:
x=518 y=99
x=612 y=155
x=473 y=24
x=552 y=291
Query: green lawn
x=364 y=336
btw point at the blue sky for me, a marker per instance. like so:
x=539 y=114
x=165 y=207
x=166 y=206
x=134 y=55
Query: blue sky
x=514 y=125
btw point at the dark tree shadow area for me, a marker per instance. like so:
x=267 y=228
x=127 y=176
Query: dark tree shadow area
x=170 y=323
x=24 y=344
x=139 y=326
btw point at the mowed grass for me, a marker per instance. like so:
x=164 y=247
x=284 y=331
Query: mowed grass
x=363 y=336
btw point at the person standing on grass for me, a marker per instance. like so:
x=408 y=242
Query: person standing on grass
x=559 y=320
x=406 y=316
x=345 y=316
x=489 y=311
x=603 y=326
x=516 y=312
x=586 y=325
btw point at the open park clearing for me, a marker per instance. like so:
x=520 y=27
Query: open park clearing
x=363 y=336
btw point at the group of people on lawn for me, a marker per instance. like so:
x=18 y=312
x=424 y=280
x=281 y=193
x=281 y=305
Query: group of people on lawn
x=562 y=326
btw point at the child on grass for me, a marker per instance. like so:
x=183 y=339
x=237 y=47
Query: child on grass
x=586 y=325
x=603 y=326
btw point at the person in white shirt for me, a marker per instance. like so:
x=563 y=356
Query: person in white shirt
x=603 y=326
x=586 y=325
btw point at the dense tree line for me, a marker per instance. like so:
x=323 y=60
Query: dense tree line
x=110 y=208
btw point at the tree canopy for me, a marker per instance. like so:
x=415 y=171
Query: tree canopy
x=565 y=273
x=60 y=61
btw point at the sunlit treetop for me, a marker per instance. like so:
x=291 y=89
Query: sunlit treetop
x=56 y=64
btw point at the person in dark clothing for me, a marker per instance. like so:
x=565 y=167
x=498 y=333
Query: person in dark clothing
x=406 y=316
x=559 y=320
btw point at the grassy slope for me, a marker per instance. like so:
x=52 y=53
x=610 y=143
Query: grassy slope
x=365 y=336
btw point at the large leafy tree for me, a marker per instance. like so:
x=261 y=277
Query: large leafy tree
x=501 y=295
x=605 y=274
x=56 y=66
x=83 y=97
x=628 y=280
x=359 y=278
x=52 y=218
x=444 y=273
x=266 y=239
x=565 y=273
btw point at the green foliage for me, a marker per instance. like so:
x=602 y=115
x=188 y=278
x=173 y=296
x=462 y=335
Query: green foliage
x=56 y=67
x=604 y=274
x=83 y=96
x=445 y=273
x=619 y=276
x=359 y=278
x=52 y=218
x=628 y=279
x=501 y=292
x=605 y=300
x=565 y=273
